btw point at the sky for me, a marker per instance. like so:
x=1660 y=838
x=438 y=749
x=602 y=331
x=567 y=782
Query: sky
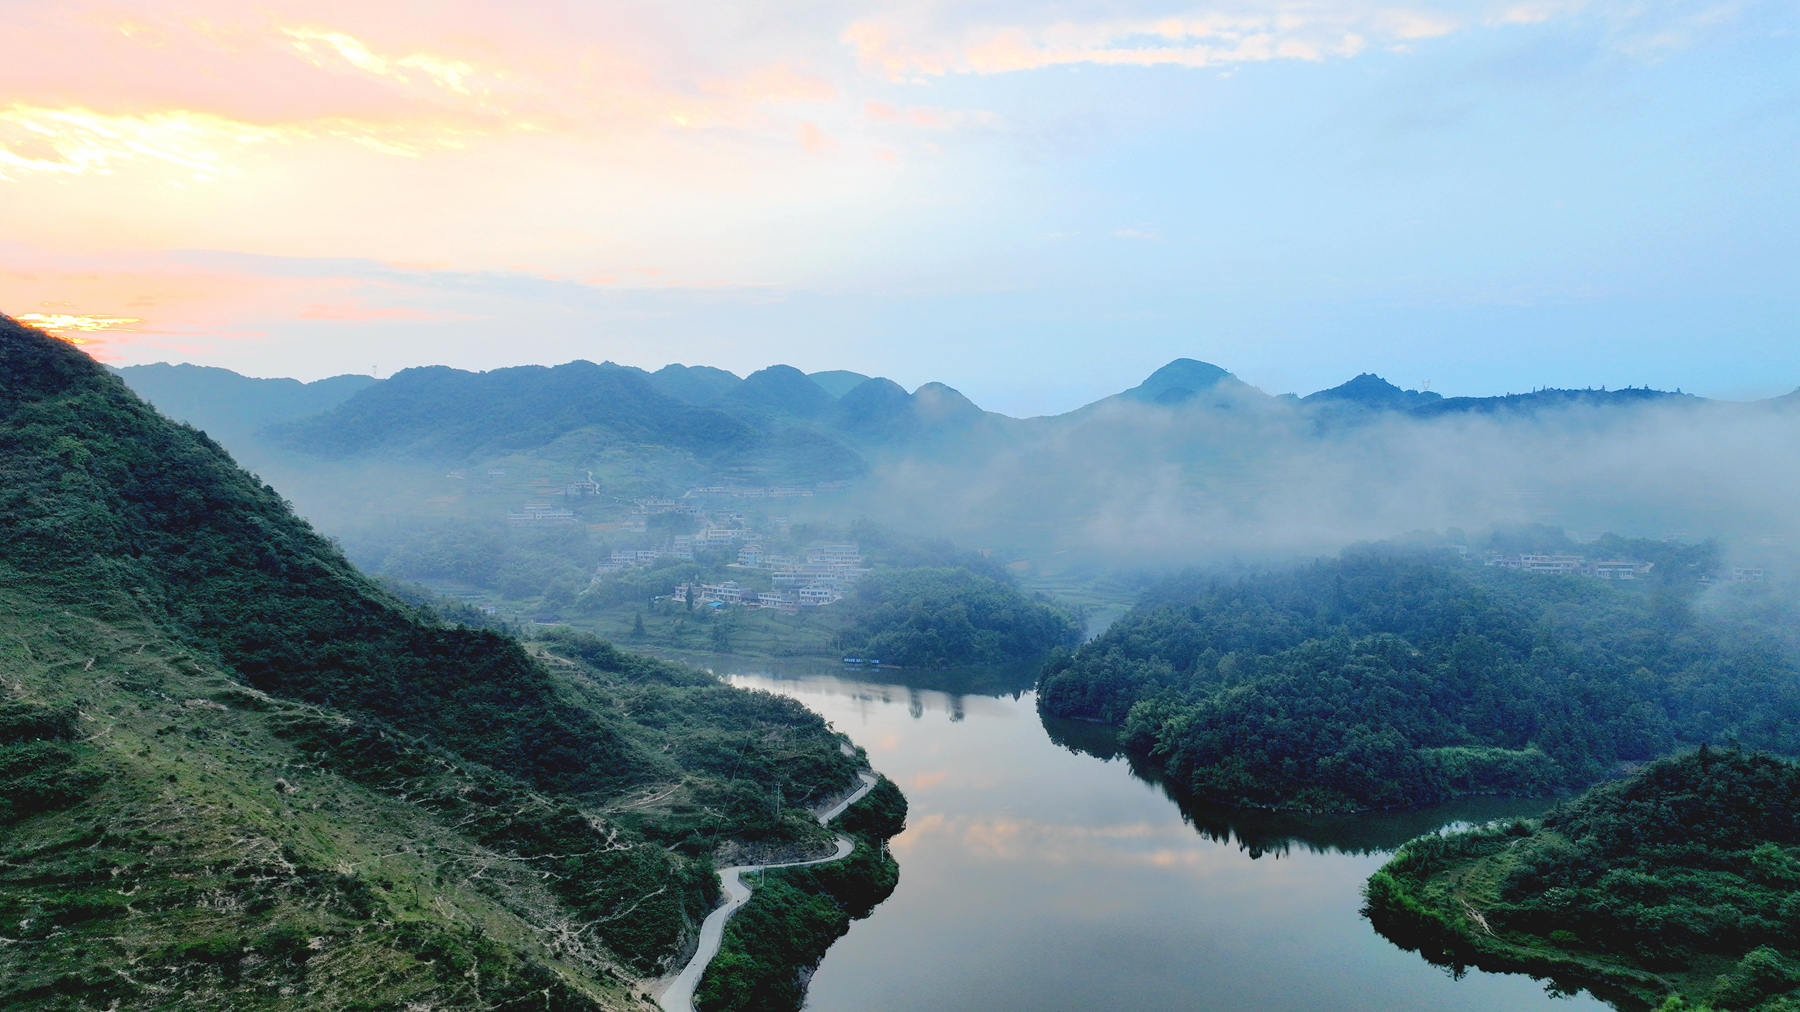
x=1038 y=204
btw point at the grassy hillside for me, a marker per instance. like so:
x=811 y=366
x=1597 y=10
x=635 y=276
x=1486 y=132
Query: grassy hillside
x=1674 y=886
x=239 y=774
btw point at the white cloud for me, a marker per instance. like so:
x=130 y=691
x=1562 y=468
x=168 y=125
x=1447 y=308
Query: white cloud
x=1303 y=32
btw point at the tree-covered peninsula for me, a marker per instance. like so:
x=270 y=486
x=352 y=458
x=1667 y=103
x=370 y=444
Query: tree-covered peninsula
x=1678 y=887
x=1387 y=678
x=236 y=772
x=935 y=617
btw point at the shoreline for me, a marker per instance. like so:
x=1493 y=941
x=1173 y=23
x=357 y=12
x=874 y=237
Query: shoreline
x=675 y=993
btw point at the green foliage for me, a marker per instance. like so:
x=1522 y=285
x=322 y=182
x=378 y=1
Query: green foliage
x=937 y=617
x=1688 y=865
x=1672 y=564
x=580 y=791
x=41 y=769
x=885 y=546
x=1387 y=678
x=448 y=413
x=1691 y=855
x=880 y=814
x=639 y=585
x=774 y=941
x=750 y=760
x=451 y=415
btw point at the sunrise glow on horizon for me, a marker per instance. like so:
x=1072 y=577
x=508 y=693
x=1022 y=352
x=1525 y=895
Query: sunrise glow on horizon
x=1034 y=204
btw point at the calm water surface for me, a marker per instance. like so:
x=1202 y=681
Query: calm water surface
x=1039 y=872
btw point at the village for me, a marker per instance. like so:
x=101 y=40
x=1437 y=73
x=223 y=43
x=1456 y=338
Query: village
x=1606 y=569
x=817 y=575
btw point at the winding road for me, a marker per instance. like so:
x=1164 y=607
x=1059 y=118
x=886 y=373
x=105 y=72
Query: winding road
x=678 y=996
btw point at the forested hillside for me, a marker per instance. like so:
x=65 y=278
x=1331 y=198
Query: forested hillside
x=1389 y=677
x=232 y=408
x=1677 y=882
x=935 y=617
x=237 y=770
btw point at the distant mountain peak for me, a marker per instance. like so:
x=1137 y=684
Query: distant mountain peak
x=880 y=410
x=695 y=384
x=936 y=402
x=782 y=390
x=1370 y=390
x=1177 y=382
x=837 y=382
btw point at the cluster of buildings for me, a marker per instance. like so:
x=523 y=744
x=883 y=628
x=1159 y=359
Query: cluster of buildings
x=820 y=576
x=1604 y=569
x=534 y=514
x=718 y=595
x=683 y=546
x=1574 y=565
x=770 y=492
x=690 y=502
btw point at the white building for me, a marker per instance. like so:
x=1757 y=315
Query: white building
x=539 y=513
x=1619 y=569
x=1552 y=563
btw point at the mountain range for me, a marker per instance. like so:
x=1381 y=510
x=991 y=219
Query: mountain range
x=452 y=414
x=1193 y=461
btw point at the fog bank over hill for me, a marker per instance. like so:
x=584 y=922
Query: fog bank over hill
x=1191 y=466
x=1230 y=471
x=1183 y=470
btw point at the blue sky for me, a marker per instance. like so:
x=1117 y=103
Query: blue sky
x=1036 y=204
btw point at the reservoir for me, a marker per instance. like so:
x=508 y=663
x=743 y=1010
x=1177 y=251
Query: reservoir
x=1040 y=873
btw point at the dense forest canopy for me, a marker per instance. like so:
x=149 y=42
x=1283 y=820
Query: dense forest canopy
x=1686 y=872
x=1395 y=677
x=935 y=617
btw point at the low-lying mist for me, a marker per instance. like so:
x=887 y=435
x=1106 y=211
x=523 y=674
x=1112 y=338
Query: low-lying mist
x=1144 y=485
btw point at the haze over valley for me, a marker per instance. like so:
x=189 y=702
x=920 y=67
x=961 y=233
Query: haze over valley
x=899 y=507
x=1192 y=466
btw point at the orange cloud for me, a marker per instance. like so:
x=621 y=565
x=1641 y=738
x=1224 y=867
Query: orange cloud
x=577 y=137
x=812 y=138
x=155 y=302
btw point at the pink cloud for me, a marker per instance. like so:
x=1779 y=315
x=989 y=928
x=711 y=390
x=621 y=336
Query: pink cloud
x=812 y=138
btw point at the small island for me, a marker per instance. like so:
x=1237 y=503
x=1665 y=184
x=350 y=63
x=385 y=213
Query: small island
x=1676 y=888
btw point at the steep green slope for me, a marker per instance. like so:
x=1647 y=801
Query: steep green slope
x=238 y=773
x=189 y=843
x=1677 y=881
x=1383 y=679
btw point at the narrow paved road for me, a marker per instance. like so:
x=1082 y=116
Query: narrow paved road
x=679 y=995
